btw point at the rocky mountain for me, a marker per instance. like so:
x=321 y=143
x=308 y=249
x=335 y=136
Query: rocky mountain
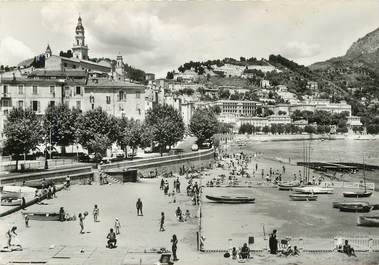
x=363 y=55
x=369 y=44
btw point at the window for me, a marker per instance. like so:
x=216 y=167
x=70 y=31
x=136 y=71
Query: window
x=78 y=90
x=6 y=112
x=20 y=104
x=5 y=89
x=65 y=64
x=108 y=100
x=67 y=103
x=93 y=106
x=52 y=103
x=79 y=105
x=74 y=66
x=138 y=95
x=52 y=91
x=20 y=89
x=92 y=99
x=67 y=91
x=36 y=105
x=6 y=103
x=121 y=95
x=35 y=90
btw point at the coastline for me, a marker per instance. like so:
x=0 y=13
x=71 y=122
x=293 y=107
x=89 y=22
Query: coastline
x=301 y=137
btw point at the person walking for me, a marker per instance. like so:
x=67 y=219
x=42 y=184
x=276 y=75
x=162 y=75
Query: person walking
x=174 y=247
x=81 y=221
x=161 y=229
x=117 y=226
x=139 y=206
x=95 y=213
x=26 y=220
x=11 y=233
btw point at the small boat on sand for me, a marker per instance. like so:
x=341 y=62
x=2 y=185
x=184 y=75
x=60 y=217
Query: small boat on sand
x=288 y=185
x=359 y=203
x=368 y=221
x=42 y=216
x=230 y=199
x=303 y=197
x=313 y=189
x=357 y=194
x=8 y=201
x=356 y=208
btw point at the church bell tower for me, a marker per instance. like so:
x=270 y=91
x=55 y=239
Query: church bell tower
x=80 y=49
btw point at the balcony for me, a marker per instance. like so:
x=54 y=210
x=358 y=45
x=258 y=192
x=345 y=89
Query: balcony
x=5 y=95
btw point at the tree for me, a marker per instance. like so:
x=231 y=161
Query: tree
x=99 y=145
x=266 y=129
x=309 y=129
x=61 y=125
x=166 y=124
x=130 y=134
x=23 y=132
x=203 y=124
x=170 y=75
x=97 y=123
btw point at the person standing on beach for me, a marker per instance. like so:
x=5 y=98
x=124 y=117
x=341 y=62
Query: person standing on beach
x=273 y=243
x=256 y=166
x=174 y=247
x=161 y=229
x=26 y=221
x=117 y=226
x=81 y=221
x=11 y=233
x=139 y=206
x=263 y=173
x=95 y=213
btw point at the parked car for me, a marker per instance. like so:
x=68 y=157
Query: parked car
x=194 y=147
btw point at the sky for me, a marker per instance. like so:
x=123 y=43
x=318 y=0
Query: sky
x=160 y=36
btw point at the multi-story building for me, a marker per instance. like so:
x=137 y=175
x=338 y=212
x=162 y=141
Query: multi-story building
x=118 y=98
x=238 y=107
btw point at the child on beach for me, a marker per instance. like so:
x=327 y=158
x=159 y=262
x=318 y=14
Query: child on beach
x=117 y=226
x=95 y=213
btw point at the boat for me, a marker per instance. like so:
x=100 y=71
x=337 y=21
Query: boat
x=230 y=199
x=42 y=216
x=8 y=201
x=356 y=208
x=303 y=197
x=313 y=189
x=357 y=194
x=368 y=221
x=288 y=185
x=362 y=203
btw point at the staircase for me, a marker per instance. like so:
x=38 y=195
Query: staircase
x=110 y=178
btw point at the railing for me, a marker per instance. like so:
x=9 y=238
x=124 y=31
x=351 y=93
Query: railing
x=37 y=164
x=347 y=185
x=360 y=244
x=165 y=159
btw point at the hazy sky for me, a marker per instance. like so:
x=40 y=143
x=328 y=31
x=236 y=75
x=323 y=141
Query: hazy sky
x=160 y=36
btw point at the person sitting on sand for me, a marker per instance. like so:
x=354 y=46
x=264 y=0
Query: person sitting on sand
x=234 y=253
x=111 y=239
x=296 y=251
x=347 y=249
x=287 y=252
x=245 y=252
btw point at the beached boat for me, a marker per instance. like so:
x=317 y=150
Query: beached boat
x=288 y=185
x=230 y=199
x=356 y=208
x=42 y=216
x=368 y=221
x=357 y=194
x=338 y=204
x=313 y=189
x=8 y=201
x=303 y=197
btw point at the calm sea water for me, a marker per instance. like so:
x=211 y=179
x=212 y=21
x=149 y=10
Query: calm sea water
x=325 y=151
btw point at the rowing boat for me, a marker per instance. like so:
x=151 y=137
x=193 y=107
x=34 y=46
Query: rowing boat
x=368 y=221
x=356 y=208
x=357 y=194
x=42 y=216
x=11 y=201
x=360 y=203
x=303 y=197
x=288 y=185
x=229 y=199
x=313 y=189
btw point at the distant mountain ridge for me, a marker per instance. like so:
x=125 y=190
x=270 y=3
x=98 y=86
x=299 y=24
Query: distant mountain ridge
x=366 y=45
